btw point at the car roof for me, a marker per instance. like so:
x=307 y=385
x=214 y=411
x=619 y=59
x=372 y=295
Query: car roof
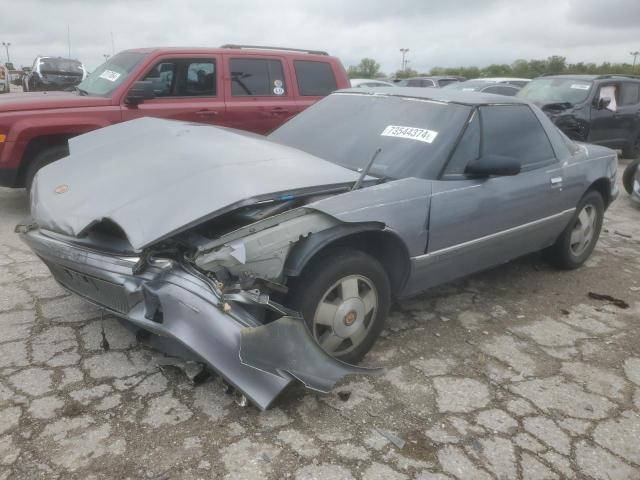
x=593 y=77
x=362 y=80
x=439 y=95
x=502 y=79
x=435 y=77
x=480 y=82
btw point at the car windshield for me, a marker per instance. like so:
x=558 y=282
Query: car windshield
x=556 y=90
x=415 y=135
x=108 y=76
x=60 y=65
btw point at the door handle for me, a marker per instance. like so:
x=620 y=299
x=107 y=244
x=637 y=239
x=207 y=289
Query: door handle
x=207 y=113
x=279 y=111
x=556 y=181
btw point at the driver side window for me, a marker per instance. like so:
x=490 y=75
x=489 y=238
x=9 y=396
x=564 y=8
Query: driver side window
x=184 y=78
x=509 y=131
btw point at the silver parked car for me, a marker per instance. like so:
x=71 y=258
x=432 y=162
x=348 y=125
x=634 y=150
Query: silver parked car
x=274 y=259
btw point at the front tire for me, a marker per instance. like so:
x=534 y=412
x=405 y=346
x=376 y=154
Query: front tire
x=627 y=176
x=344 y=298
x=633 y=150
x=574 y=246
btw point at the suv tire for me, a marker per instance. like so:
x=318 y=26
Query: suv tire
x=45 y=157
x=627 y=176
x=633 y=150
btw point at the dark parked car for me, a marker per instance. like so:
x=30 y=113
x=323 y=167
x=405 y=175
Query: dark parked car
x=604 y=109
x=53 y=73
x=268 y=257
x=484 y=86
x=250 y=88
x=433 y=81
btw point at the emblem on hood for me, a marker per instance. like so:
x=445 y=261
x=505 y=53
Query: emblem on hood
x=61 y=188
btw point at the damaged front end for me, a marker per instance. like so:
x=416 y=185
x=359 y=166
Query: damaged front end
x=213 y=296
x=197 y=254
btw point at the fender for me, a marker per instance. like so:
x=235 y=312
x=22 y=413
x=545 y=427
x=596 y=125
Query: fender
x=306 y=249
x=396 y=261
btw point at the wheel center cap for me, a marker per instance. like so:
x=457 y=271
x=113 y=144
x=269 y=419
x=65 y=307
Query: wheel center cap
x=350 y=317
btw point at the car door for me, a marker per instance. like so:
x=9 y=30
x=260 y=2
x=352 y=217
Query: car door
x=186 y=87
x=258 y=92
x=475 y=223
x=605 y=122
x=629 y=112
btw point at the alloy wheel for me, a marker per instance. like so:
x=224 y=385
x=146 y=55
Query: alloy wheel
x=345 y=314
x=584 y=230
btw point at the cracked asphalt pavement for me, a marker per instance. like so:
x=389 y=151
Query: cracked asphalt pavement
x=512 y=373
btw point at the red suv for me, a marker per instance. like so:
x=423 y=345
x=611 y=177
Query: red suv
x=247 y=87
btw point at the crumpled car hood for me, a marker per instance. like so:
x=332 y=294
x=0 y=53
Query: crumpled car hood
x=155 y=178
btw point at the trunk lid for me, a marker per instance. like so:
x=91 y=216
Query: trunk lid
x=155 y=178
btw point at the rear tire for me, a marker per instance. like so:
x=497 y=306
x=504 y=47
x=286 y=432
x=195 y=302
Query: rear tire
x=45 y=157
x=574 y=246
x=627 y=176
x=344 y=298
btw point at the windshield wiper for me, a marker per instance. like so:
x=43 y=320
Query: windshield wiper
x=81 y=92
x=365 y=170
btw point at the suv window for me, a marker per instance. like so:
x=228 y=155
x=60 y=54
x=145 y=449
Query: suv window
x=314 y=78
x=257 y=77
x=184 y=78
x=514 y=131
x=629 y=93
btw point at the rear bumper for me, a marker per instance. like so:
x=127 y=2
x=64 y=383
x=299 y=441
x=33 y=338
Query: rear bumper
x=168 y=300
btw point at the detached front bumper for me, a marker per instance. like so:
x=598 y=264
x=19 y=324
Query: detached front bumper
x=170 y=301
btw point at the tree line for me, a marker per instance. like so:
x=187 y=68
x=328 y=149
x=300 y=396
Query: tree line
x=369 y=68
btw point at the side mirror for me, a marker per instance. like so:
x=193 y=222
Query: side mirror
x=139 y=92
x=497 y=165
x=603 y=103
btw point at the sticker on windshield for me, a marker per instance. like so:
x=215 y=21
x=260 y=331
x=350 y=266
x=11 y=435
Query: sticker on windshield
x=277 y=83
x=420 y=134
x=580 y=86
x=278 y=91
x=110 y=75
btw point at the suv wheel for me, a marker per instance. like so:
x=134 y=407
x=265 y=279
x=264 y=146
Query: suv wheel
x=632 y=151
x=575 y=244
x=627 y=176
x=344 y=299
x=45 y=157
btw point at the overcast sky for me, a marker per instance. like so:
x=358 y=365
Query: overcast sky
x=438 y=33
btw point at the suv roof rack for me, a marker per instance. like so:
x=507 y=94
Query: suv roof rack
x=263 y=47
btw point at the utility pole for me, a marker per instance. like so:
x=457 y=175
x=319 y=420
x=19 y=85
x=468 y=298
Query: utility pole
x=404 y=63
x=635 y=55
x=69 y=39
x=6 y=47
x=106 y=56
x=113 y=49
